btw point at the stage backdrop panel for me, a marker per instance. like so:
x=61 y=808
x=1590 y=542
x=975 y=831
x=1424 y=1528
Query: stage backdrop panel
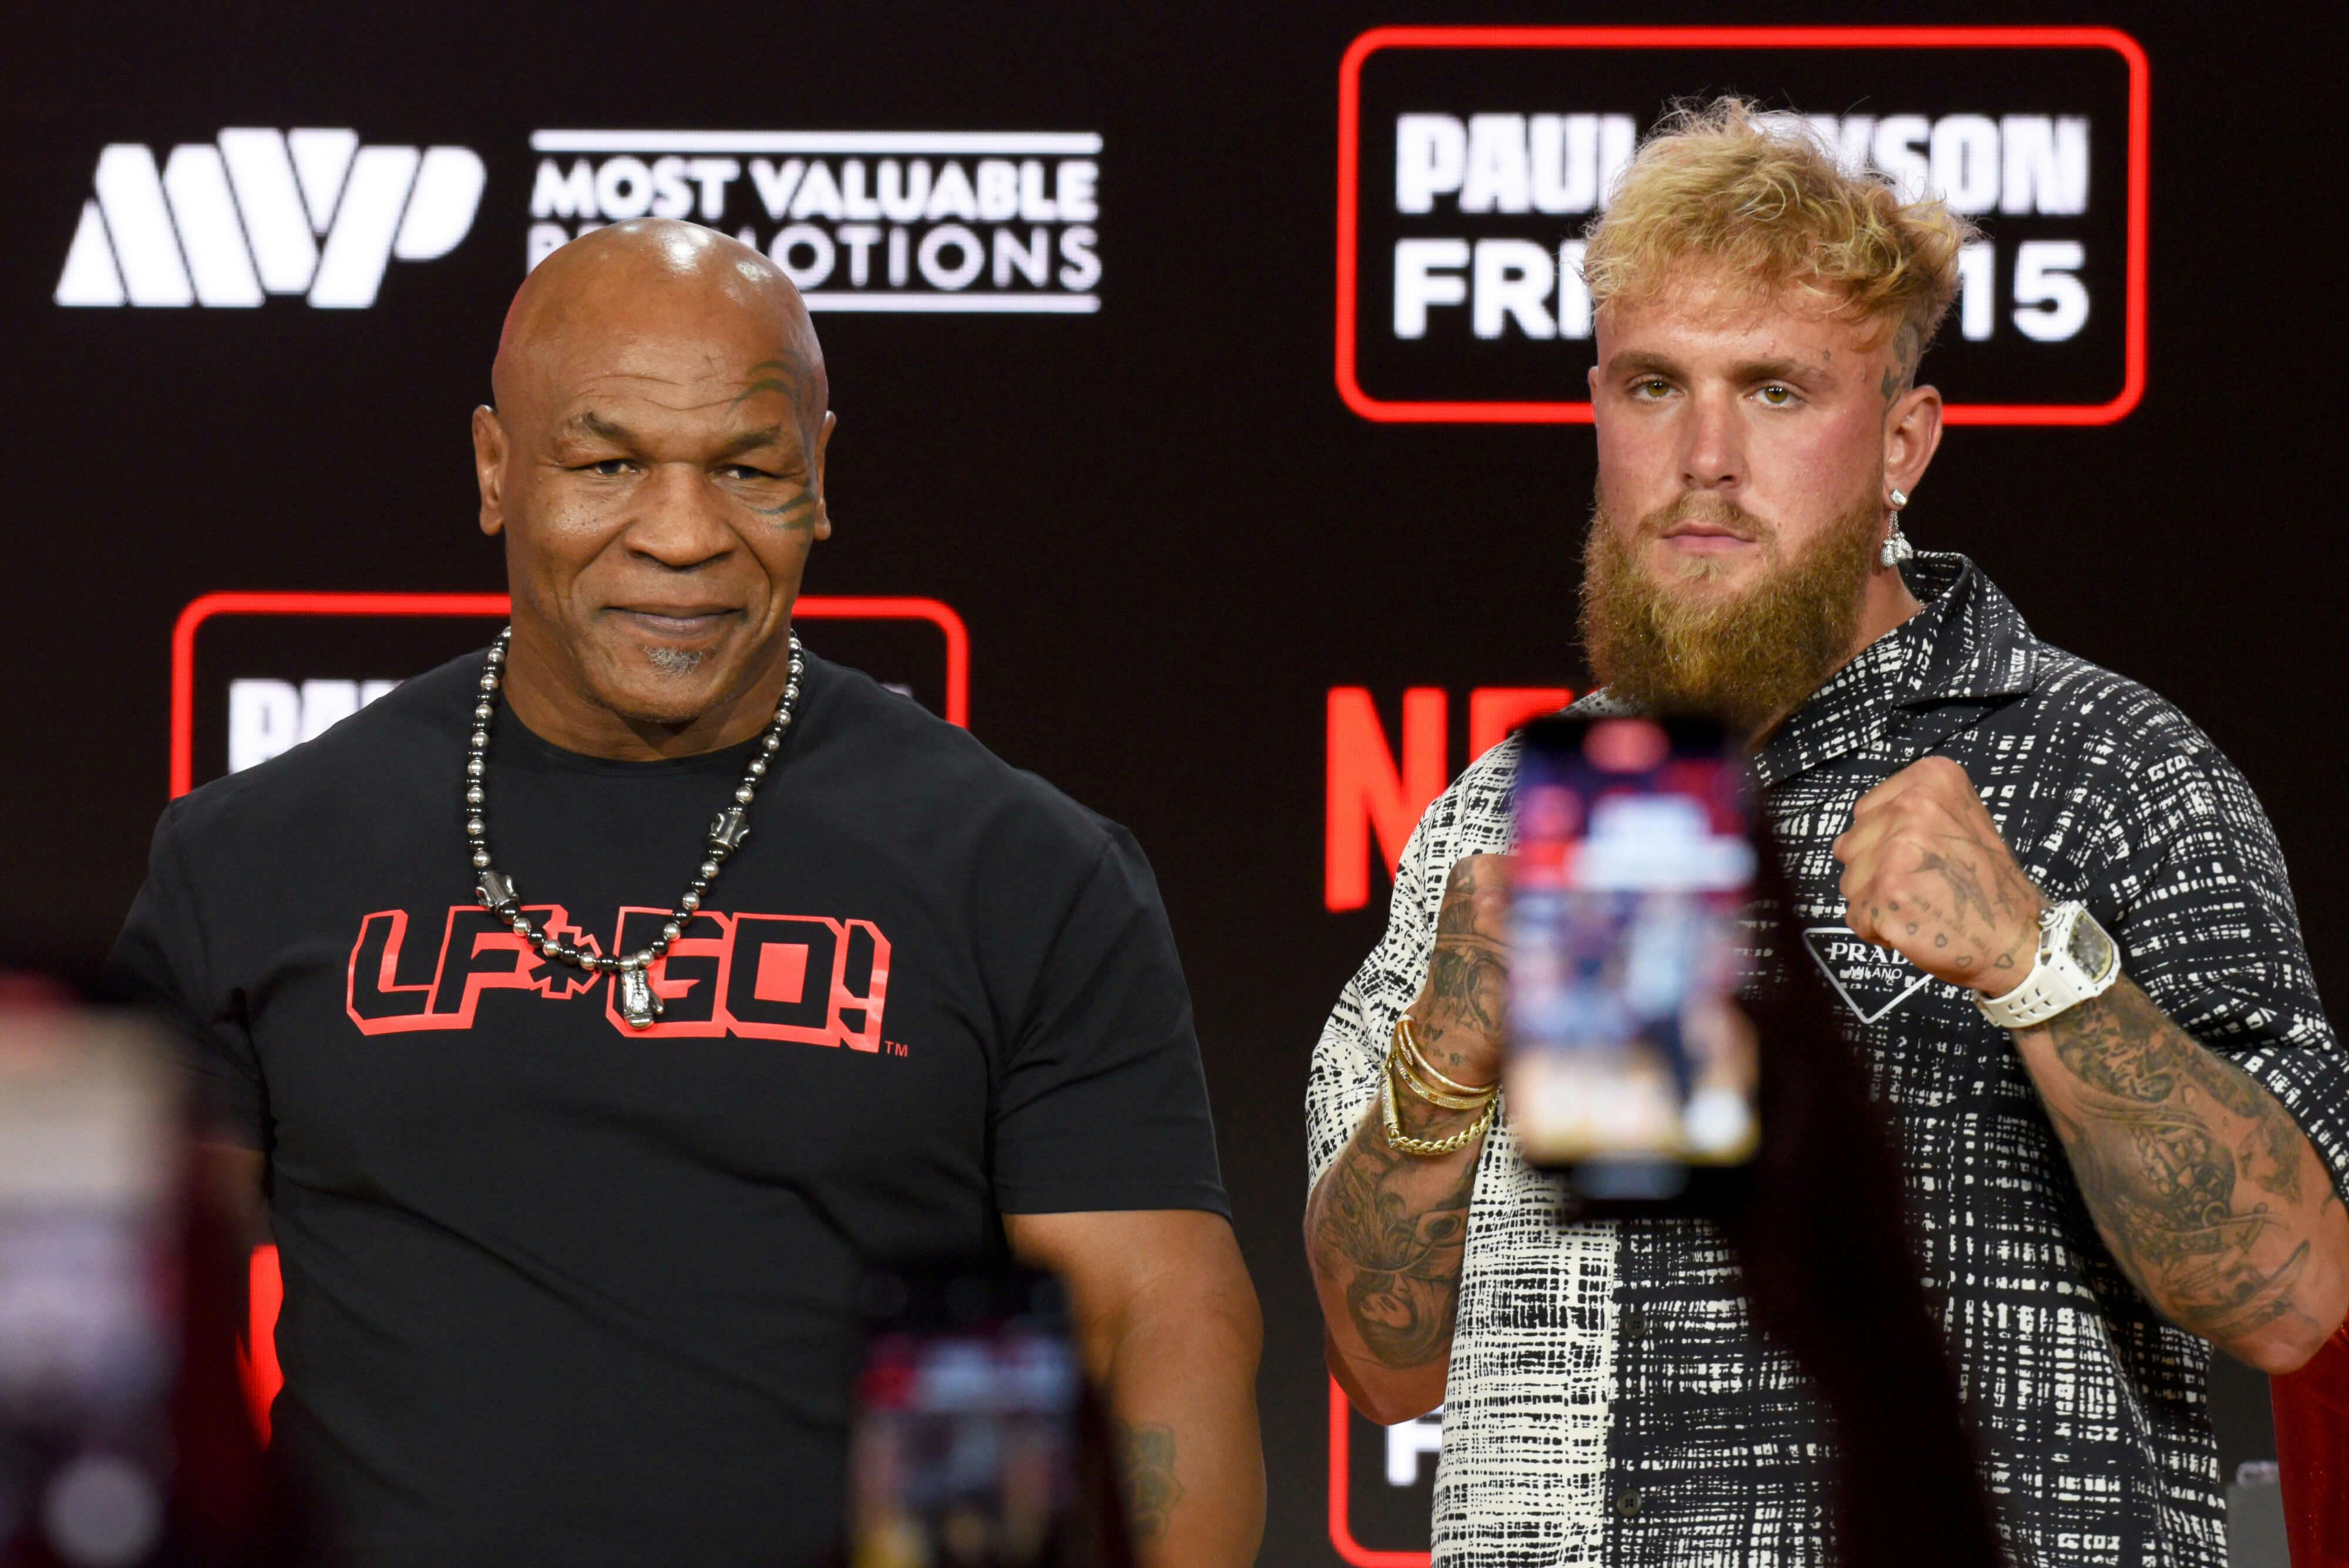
x=1211 y=397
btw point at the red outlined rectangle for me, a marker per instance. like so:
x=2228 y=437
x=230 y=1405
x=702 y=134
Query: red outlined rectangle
x=809 y=607
x=1341 y=1528
x=257 y=1357
x=1349 y=87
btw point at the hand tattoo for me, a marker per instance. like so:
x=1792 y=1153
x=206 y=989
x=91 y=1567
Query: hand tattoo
x=1964 y=884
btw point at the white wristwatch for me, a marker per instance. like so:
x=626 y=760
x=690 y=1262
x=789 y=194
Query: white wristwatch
x=2076 y=962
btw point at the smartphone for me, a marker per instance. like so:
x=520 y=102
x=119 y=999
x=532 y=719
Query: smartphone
x=972 y=1434
x=1629 y=1060
x=89 y=1242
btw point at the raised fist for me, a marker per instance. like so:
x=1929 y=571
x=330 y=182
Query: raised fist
x=1925 y=873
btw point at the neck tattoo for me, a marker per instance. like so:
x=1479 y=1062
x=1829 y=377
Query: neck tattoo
x=638 y=1005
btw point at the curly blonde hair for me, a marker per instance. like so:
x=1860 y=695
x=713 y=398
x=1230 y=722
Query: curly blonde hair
x=1761 y=197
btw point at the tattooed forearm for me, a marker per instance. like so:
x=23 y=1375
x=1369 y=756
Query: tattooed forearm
x=1146 y=1464
x=2207 y=1192
x=1468 y=970
x=1465 y=979
x=1388 y=1232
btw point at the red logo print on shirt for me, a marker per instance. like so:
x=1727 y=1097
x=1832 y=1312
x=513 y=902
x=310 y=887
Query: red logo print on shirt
x=805 y=978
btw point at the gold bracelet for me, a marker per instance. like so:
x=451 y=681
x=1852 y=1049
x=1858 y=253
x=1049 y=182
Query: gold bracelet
x=1406 y=1034
x=1449 y=1093
x=1400 y=1071
x=1420 y=1147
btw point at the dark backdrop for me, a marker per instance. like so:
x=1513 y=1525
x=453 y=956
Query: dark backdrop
x=1167 y=534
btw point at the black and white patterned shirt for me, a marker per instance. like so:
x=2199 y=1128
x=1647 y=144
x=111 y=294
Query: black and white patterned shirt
x=1609 y=1400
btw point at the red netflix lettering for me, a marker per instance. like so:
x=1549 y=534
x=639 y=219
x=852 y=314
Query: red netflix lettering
x=1495 y=710
x=1369 y=792
x=1376 y=792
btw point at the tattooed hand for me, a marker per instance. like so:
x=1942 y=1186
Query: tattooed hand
x=1458 y=1010
x=1926 y=874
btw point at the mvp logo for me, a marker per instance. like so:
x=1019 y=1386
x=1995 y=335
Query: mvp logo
x=805 y=978
x=1872 y=981
x=261 y=212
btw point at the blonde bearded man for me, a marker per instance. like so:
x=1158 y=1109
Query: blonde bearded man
x=2134 y=1166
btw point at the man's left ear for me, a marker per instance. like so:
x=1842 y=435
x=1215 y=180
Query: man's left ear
x=1912 y=433
x=823 y=490
x=489 y=468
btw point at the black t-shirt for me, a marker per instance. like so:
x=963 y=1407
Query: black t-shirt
x=560 y=1291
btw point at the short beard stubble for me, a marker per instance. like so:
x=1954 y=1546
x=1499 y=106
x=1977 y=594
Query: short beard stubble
x=1748 y=660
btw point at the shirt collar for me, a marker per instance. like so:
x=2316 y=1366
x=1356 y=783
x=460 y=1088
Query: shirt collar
x=1932 y=674
x=1979 y=650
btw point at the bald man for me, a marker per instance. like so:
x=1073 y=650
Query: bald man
x=598 y=1007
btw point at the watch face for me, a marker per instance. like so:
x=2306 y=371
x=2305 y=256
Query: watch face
x=2089 y=947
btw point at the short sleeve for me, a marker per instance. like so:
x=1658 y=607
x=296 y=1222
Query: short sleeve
x=1102 y=1103
x=159 y=966
x=1344 y=1076
x=1471 y=818
x=2204 y=915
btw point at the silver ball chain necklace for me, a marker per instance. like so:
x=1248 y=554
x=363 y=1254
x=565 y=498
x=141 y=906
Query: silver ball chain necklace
x=496 y=891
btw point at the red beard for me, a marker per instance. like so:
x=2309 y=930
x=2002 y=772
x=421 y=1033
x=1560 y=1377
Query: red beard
x=1748 y=660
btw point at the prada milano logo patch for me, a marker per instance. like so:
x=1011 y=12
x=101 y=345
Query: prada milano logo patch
x=1872 y=981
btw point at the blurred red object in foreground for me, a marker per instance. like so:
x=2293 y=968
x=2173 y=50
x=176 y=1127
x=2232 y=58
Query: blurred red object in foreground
x=2311 y=1422
x=256 y=1353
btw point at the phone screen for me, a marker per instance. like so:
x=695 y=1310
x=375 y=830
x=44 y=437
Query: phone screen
x=964 y=1453
x=90 y=1237
x=1629 y=1059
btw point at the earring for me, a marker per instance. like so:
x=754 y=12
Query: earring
x=1896 y=547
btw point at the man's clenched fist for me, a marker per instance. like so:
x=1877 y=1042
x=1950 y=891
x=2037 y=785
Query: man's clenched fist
x=1458 y=1011
x=1925 y=873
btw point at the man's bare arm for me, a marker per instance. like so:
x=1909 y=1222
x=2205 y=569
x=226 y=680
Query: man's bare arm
x=2209 y=1194
x=1385 y=1232
x=1169 y=1325
x=235 y=1181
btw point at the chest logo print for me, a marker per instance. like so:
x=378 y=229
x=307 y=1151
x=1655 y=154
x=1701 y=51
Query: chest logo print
x=809 y=979
x=1872 y=981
